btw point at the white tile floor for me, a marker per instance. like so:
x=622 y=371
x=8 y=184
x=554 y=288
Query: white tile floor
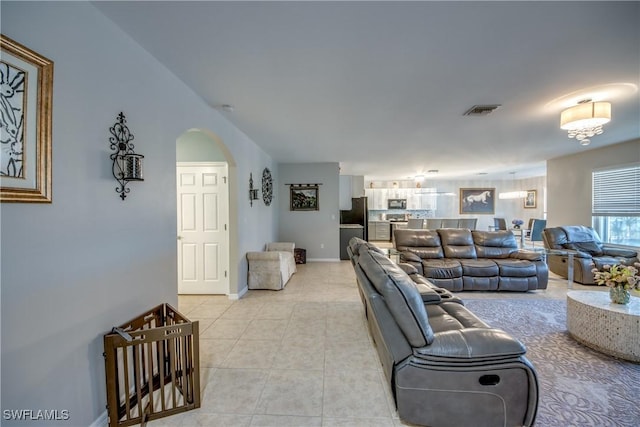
x=299 y=357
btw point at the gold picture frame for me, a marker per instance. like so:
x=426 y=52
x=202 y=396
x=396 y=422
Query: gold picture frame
x=25 y=128
x=531 y=200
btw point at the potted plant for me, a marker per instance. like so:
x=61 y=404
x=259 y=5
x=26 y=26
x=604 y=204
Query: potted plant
x=620 y=279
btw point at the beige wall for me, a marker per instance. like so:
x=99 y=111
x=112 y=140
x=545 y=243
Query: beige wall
x=569 y=181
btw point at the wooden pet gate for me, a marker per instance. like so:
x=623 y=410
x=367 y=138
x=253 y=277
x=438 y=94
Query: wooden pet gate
x=152 y=367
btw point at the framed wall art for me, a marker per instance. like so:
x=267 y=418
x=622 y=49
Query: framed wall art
x=477 y=201
x=304 y=197
x=531 y=202
x=26 y=79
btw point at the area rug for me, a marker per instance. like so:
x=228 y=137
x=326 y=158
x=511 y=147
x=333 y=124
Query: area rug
x=577 y=386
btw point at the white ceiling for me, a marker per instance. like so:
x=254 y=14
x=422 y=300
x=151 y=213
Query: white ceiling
x=381 y=87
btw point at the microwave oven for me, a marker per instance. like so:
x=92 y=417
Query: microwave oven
x=397 y=204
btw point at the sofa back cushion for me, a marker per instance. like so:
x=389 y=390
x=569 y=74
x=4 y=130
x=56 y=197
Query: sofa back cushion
x=554 y=237
x=457 y=243
x=357 y=244
x=400 y=295
x=424 y=243
x=592 y=248
x=494 y=244
x=584 y=239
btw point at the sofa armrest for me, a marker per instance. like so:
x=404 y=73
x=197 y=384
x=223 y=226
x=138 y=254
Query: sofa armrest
x=472 y=343
x=408 y=268
x=526 y=255
x=428 y=294
x=565 y=252
x=619 y=252
x=409 y=256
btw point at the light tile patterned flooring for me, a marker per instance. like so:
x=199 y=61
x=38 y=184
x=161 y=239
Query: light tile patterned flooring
x=297 y=357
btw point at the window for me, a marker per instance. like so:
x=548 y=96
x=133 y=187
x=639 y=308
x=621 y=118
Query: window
x=616 y=205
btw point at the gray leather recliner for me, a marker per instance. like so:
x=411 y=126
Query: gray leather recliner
x=460 y=259
x=445 y=366
x=588 y=252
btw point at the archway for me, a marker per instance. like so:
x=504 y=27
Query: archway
x=202 y=145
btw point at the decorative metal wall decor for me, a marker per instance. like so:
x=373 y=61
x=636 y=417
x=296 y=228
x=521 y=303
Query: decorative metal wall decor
x=26 y=82
x=253 y=192
x=304 y=197
x=267 y=187
x=127 y=165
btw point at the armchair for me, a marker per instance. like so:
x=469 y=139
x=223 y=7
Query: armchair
x=272 y=268
x=588 y=252
x=499 y=224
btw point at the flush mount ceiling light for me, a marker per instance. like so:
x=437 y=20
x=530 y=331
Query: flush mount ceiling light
x=585 y=120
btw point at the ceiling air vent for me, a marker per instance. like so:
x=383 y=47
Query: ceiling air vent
x=481 y=110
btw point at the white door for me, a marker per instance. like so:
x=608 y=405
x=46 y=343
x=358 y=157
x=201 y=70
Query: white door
x=203 y=236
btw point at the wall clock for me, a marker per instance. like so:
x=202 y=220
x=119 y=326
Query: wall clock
x=267 y=187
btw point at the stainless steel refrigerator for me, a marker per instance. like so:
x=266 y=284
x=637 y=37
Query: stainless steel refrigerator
x=358 y=215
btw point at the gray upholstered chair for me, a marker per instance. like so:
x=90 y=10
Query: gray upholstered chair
x=272 y=268
x=415 y=223
x=499 y=224
x=449 y=223
x=529 y=227
x=469 y=223
x=433 y=223
x=588 y=252
x=535 y=232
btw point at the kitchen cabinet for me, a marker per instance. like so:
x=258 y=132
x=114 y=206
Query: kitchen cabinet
x=377 y=198
x=380 y=230
x=357 y=186
x=350 y=186
x=344 y=193
x=414 y=200
x=417 y=198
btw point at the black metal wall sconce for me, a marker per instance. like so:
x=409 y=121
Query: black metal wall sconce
x=253 y=192
x=127 y=165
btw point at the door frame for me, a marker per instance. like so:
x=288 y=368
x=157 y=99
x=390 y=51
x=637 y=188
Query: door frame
x=226 y=206
x=232 y=173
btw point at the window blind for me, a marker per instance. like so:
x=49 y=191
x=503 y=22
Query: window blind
x=616 y=192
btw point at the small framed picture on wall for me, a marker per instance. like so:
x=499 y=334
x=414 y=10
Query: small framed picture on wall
x=530 y=202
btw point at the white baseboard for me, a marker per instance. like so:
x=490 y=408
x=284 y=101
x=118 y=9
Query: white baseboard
x=323 y=260
x=239 y=294
x=101 y=421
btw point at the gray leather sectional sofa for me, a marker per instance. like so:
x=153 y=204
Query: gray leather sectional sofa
x=461 y=259
x=444 y=365
x=588 y=252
